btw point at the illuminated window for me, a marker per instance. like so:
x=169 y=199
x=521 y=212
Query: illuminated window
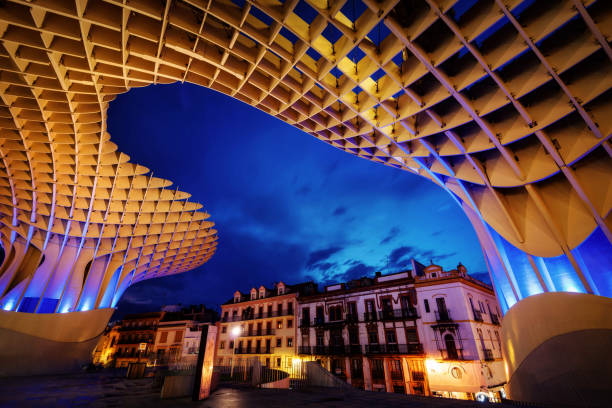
x=289 y=341
x=279 y=324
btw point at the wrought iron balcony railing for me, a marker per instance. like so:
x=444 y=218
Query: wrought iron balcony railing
x=255 y=316
x=263 y=332
x=351 y=349
x=398 y=314
x=495 y=319
x=254 y=350
x=444 y=316
x=411 y=348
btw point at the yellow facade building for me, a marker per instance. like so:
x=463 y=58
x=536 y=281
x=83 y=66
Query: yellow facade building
x=261 y=324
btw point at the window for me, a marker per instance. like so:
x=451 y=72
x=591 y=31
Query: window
x=426 y=303
x=290 y=308
x=391 y=337
x=320 y=318
x=279 y=342
x=320 y=340
x=253 y=294
x=353 y=335
x=279 y=324
x=164 y=337
x=305 y=316
x=278 y=361
x=412 y=336
x=289 y=323
x=231 y=344
x=289 y=341
x=498 y=340
x=225 y=316
x=262 y=293
x=491 y=337
x=236 y=298
x=223 y=329
x=335 y=313
x=378 y=370
x=234 y=314
x=351 y=311
x=289 y=361
x=269 y=310
x=373 y=336
x=221 y=345
x=305 y=339
x=279 y=309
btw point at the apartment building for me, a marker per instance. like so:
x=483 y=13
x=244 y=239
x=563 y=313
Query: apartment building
x=177 y=342
x=460 y=328
x=104 y=352
x=412 y=332
x=136 y=337
x=260 y=324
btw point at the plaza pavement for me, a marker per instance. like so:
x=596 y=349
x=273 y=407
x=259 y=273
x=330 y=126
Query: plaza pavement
x=108 y=389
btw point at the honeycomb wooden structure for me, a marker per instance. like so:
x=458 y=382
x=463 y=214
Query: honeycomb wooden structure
x=506 y=104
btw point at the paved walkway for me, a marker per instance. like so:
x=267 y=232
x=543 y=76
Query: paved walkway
x=105 y=389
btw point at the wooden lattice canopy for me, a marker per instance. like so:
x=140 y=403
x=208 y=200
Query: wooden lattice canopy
x=506 y=104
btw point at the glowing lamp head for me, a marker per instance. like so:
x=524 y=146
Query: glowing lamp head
x=236 y=331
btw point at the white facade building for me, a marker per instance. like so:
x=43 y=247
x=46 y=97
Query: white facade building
x=412 y=332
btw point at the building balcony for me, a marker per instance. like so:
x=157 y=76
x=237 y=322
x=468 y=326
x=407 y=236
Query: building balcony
x=495 y=319
x=255 y=316
x=488 y=355
x=254 y=333
x=477 y=315
x=254 y=350
x=398 y=314
x=137 y=328
x=453 y=354
x=352 y=349
x=411 y=348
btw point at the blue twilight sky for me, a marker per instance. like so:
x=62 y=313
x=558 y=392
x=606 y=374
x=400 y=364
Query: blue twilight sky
x=287 y=206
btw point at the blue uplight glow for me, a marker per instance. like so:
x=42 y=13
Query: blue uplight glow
x=593 y=257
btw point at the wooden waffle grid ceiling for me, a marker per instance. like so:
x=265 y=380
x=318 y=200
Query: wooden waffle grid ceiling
x=504 y=103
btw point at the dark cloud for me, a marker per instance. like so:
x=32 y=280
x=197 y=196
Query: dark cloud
x=325 y=266
x=339 y=211
x=400 y=253
x=321 y=255
x=357 y=271
x=393 y=232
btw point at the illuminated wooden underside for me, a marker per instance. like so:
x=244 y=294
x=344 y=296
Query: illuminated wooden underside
x=507 y=107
